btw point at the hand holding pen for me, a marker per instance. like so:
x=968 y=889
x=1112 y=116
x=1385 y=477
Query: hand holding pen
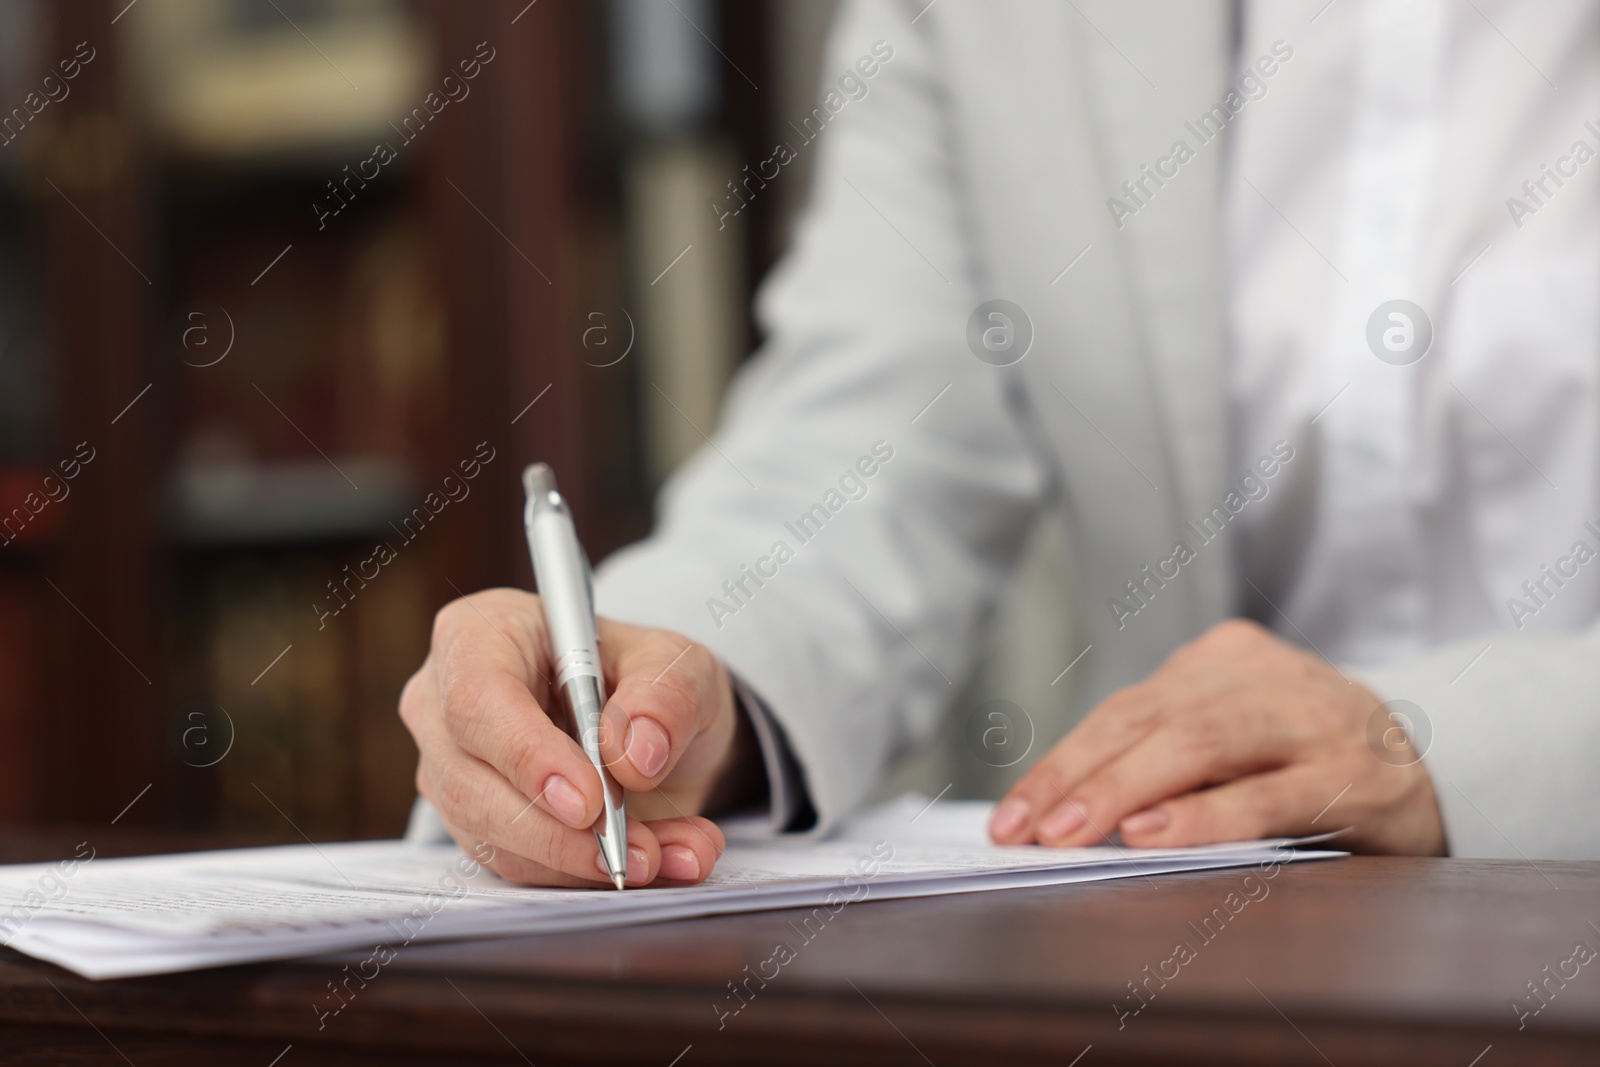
x=488 y=716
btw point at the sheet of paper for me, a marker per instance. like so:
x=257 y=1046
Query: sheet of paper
x=106 y=918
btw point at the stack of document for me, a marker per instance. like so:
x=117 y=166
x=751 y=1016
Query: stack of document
x=113 y=918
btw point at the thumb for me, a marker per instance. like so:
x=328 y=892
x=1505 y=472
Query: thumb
x=671 y=700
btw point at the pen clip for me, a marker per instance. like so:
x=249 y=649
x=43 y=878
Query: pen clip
x=588 y=584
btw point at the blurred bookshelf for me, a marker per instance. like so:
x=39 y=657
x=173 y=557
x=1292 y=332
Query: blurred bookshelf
x=279 y=342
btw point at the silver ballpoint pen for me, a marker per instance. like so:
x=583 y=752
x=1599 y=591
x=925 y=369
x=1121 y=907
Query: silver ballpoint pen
x=562 y=572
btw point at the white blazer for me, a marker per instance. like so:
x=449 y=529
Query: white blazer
x=978 y=165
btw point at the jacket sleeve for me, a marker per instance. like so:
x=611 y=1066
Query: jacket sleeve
x=843 y=537
x=1510 y=736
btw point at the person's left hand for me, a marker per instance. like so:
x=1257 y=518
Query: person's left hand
x=1237 y=735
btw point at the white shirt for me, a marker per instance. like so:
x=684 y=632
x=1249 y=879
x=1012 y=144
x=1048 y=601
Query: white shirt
x=1382 y=164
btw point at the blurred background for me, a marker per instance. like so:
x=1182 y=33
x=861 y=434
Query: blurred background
x=285 y=281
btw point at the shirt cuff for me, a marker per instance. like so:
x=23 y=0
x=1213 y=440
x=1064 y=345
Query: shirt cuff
x=425 y=827
x=789 y=807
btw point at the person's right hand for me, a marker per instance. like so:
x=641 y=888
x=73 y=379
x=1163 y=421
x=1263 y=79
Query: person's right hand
x=499 y=770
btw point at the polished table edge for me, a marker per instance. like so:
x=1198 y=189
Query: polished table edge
x=436 y=1005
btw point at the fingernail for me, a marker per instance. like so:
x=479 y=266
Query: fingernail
x=565 y=800
x=678 y=863
x=1009 y=818
x=1062 y=822
x=638 y=865
x=1145 y=822
x=647 y=746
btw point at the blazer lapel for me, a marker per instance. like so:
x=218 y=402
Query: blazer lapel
x=1168 y=230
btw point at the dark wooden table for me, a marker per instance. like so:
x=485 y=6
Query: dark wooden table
x=1345 y=962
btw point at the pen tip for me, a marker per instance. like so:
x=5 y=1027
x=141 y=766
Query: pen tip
x=618 y=880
